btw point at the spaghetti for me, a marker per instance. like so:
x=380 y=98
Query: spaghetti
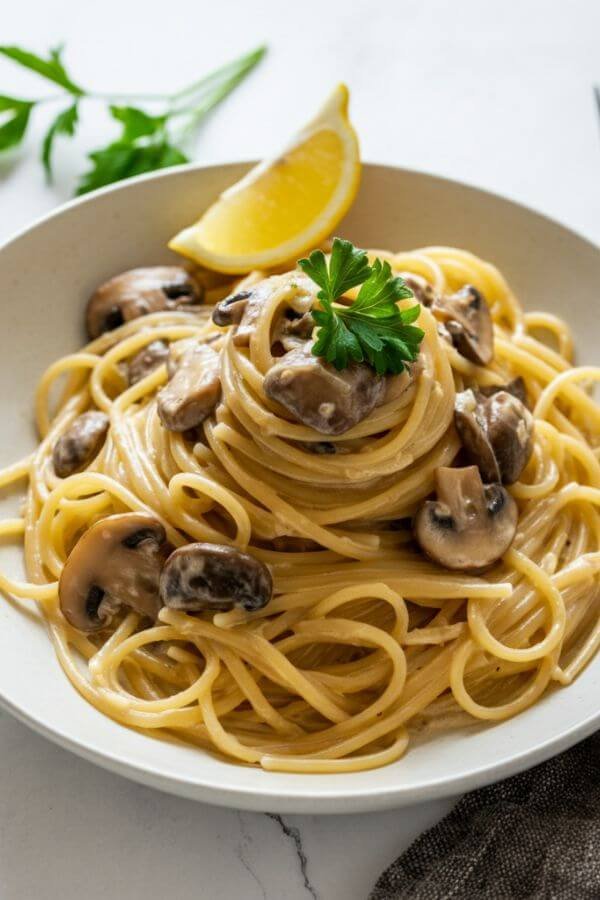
x=366 y=642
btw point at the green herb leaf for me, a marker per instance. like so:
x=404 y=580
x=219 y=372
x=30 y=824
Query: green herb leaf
x=52 y=68
x=380 y=292
x=228 y=75
x=137 y=123
x=373 y=328
x=65 y=123
x=14 y=116
x=143 y=146
x=147 y=142
x=123 y=160
x=347 y=268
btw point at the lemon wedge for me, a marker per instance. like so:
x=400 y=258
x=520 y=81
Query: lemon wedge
x=283 y=206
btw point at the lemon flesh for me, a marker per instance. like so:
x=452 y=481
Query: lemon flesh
x=283 y=206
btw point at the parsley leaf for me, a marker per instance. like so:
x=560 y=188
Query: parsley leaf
x=143 y=146
x=381 y=290
x=52 y=68
x=14 y=116
x=65 y=123
x=348 y=267
x=123 y=160
x=147 y=141
x=373 y=327
x=136 y=123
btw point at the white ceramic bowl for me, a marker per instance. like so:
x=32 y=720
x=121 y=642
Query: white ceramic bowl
x=46 y=274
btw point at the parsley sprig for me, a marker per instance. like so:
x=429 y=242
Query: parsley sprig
x=373 y=327
x=146 y=142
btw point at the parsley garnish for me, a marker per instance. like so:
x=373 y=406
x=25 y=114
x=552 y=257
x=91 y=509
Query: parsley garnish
x=147 y=141
x=373 y=327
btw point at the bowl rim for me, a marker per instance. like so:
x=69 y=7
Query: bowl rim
x=291 y=798
x=169 y=171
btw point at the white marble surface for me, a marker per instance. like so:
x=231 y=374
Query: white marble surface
x=498 y=94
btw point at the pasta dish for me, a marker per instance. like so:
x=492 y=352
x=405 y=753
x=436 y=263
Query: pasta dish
x=251 y=529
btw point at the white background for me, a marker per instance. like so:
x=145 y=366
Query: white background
x=498 y=94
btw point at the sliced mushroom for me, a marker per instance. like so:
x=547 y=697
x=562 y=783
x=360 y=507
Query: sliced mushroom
x=424 y=292
x=397 y=385
x=467 y=320
x=177 y=350
x=293 y=329
x=322 y=448
x=80 y=443
x=137 y=293
x=288 y=543
x=147 y=360
x=214 y=577
x=116 y=563
x=243 y=308
x=193 y=391
x=315 y=393
x=496 y=432
x=470 y=525
x=230 y=310
x=516 y=387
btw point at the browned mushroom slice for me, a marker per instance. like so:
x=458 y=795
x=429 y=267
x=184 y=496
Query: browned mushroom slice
x=177 y=350
x=293 y=329
x=397 y=385
x=80 y=443
x=466 y=317
x=496 y=432
x=214 y=577
x=147 y=360
x=193 y=391
x=321 y=448
x=423 y=291
x=244 y=307
x=252 y=310
x=230 y=310
x=516 y=387
x=137 y=293
x=470 y=525
x=315 y=393
x=116 y=563
x=289 y=543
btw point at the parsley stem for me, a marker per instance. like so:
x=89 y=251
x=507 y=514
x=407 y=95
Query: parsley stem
x=220 y=91
x=235 y=69
x=106 y=98
x=110 y=98
x=211 y=89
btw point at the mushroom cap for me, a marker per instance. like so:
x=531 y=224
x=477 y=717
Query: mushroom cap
x=496 y=432
x=193 y=390
x=292 y=330
x=206 y=576
x=320 y=396
x=423 y=291
x=397 y=385
x=289 y=543
x=136 y=293
x=80 y=443
x=471 y=425
x=295 y=291
x=470 y=525
x=516 y=387
x=115 y=563
x=230 y=310
x=147 y=360
x=467 y=320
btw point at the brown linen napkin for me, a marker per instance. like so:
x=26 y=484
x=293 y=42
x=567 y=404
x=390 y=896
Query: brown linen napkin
x=534 y=836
